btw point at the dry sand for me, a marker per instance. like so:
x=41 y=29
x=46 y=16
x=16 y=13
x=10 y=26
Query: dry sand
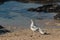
x=27 y=34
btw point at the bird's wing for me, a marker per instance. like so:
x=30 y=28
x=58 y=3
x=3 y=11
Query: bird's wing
x=35 y=27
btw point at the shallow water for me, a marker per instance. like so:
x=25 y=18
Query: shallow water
x=15 y=14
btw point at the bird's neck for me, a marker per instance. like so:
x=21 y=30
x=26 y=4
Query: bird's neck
x=32 y=23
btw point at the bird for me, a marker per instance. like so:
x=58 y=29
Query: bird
x=34 y=28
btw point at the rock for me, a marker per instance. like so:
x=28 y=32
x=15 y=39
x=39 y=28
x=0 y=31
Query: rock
x=2 y=1
x=57 y=16
x=1 y=27
x=46 y=8
x=49 y=8
x=31 y=9
x=39 y=9
x=53 y=8
x=3 y=31
x=37 y=1
x=43 y=8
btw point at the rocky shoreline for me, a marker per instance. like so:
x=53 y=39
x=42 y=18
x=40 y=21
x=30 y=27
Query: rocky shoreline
x=50 y=8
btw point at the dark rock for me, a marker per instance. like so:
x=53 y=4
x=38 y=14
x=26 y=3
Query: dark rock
x=53 y=8
x=2 y=1
x=39 y=9
x=57 y=16
x=31 y=9
x=37 y=1
x=47 y=8
x=1 y=27
x=43 y=8
x=3 y=31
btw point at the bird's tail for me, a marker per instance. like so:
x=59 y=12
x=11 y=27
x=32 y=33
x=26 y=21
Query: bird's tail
x=41 y=31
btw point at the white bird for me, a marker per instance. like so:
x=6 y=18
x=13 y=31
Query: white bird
x=34 y=28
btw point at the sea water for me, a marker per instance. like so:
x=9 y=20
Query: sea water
x=14 y=13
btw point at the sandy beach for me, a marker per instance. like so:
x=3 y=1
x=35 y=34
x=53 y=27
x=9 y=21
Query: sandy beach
x=27 y=34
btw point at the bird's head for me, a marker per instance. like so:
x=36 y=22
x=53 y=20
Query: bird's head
x=31 y=20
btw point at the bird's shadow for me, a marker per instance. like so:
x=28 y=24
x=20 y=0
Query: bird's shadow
x=3 y=31
x=47 y=34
